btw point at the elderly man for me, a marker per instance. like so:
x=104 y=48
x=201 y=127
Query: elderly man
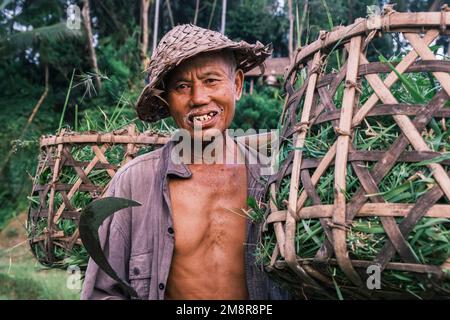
x=189 y=239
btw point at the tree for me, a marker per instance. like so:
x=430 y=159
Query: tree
x=145 y=4
x=169 y=11
x=86 y=12
x=259 y=20
x=156 y=26
x=291 y=29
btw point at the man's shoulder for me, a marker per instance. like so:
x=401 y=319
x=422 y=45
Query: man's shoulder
x=147 y=163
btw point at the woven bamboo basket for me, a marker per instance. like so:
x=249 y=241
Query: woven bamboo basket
x=74 y=169
x=366 y=96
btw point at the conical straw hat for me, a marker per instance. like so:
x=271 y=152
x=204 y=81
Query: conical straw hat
x=184 y=42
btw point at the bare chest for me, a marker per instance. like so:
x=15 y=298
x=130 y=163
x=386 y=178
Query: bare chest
x=207 y=208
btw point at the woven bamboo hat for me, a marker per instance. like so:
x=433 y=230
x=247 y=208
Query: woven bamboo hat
x=184 y=42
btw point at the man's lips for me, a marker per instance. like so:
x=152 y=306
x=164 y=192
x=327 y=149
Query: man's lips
x=203 y=118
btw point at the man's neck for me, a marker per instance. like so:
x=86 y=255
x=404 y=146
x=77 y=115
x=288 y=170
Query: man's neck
x=221 y=150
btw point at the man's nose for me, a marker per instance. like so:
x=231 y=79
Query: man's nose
x=199 y=95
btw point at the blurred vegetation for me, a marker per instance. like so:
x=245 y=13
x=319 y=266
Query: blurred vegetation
x=33 y=37
x=261 y=109
x=28 y=281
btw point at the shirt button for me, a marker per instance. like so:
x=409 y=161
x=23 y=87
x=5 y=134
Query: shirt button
x=170 y=230
x=136 y=271
x=161 y=286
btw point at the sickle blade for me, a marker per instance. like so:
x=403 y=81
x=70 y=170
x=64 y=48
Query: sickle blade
x=91 y=218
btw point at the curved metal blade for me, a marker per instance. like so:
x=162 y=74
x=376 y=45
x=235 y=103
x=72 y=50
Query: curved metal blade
x=91 y=219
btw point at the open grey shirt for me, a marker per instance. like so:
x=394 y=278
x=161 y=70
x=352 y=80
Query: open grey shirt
x=139 y=241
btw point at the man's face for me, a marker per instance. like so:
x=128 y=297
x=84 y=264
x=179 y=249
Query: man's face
x=202 y=93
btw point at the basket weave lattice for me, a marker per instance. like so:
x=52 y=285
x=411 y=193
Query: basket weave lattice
x=57 y=156
x=312 y=104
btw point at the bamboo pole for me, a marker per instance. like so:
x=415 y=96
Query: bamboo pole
x=278 y=226
x=104 y=138
x=290 y=228
x=382 y=209
x=342 y=148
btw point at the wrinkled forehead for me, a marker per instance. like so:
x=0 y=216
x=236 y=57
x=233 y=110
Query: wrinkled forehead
x=218 y=61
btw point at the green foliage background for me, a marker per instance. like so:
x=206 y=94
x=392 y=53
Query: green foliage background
x=33 y=35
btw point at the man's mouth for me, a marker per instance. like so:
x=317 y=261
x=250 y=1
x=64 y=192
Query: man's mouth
x=203 y=119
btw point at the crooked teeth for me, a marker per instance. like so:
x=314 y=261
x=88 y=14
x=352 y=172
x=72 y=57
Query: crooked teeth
x=205 y=117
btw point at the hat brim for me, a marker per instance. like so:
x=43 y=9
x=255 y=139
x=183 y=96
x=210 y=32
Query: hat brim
x=151 y=107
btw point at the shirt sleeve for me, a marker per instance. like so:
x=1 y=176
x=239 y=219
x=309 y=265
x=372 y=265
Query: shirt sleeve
x=116 y=246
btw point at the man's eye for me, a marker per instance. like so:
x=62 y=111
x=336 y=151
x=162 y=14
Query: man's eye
x=210 y=81
x=182 y=86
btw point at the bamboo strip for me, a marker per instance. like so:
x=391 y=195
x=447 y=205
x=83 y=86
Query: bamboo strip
x=55 y=178
x=416 y=21
x=104 y=138
x=409 y=130
x=130 y=146
x=103 y=159
x=367 y=210
x=278 y=227
x=77 y=184
x=54 y=235
x=426 y=54
x=371 y=188
x=48 y=240
x=400 y=266
x=392 y=78
x=369 y=185
x=290 y=226
x=348 y=103
x=321 y=168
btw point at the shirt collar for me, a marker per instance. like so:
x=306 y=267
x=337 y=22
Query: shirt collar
x=169 y=167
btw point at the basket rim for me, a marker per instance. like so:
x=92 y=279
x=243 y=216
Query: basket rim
x=109 y=137
x=392 y=22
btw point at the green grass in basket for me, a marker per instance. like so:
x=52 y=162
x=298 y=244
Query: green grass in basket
x=405 y=183
x=97 y=120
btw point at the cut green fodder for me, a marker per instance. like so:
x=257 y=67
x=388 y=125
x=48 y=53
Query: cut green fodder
x=405 y=182
x=92 y=122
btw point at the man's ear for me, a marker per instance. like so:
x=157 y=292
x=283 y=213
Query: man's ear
x=239 y=83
